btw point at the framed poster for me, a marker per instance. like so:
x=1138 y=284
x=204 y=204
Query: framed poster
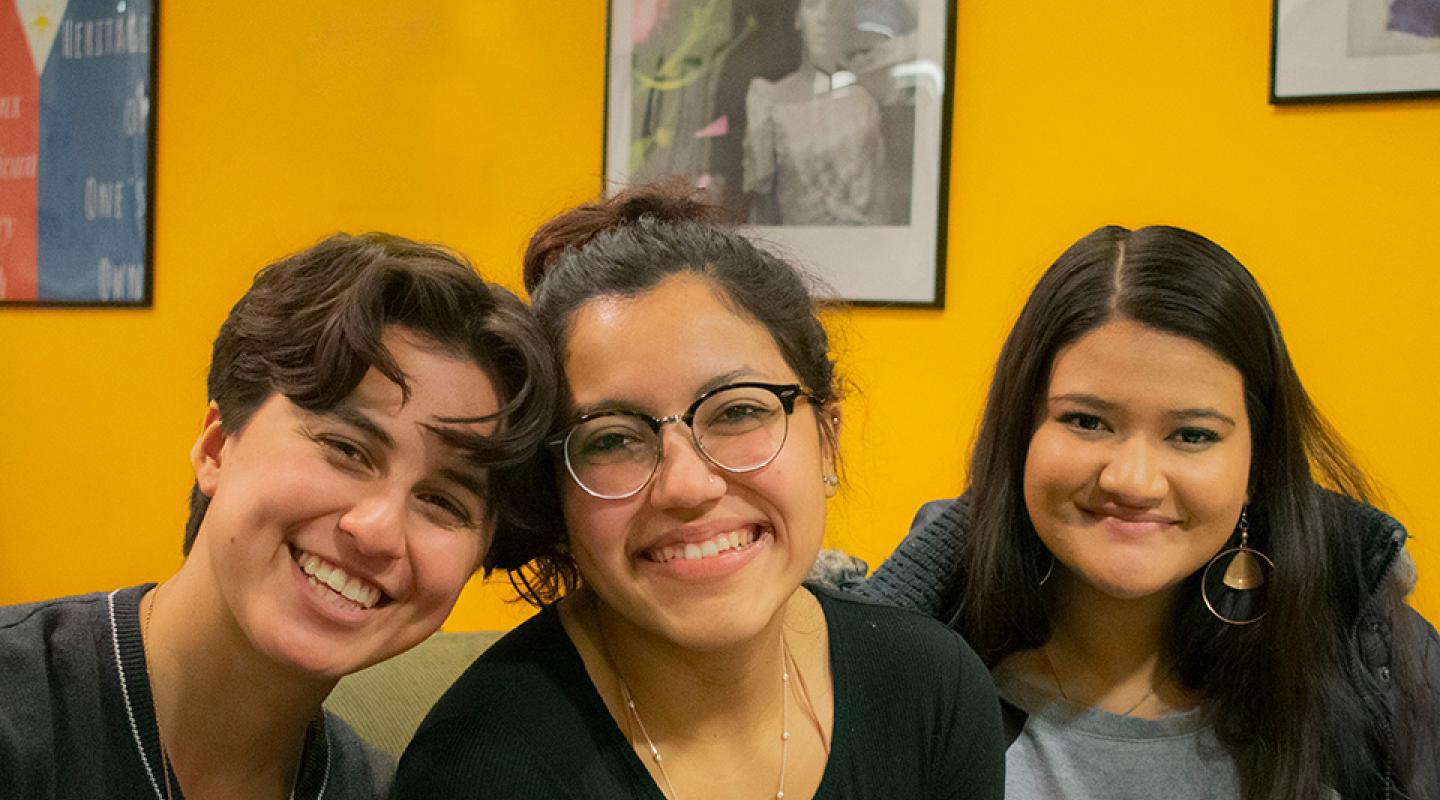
x=823 y=123
x=1328 y=50
x=77 y=126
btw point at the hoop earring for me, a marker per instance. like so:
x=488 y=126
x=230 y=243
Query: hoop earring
x=1048 y=571
x=1243 y=573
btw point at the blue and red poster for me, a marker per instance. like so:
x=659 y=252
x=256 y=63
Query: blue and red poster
x=75 y=131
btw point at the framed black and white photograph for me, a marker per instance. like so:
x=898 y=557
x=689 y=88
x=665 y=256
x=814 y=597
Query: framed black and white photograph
x=1329 y=50
x=77 y=152
x=822 y=123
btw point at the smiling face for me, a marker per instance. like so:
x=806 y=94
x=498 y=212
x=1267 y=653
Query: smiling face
x=338 y=539
x=701 y=557
x=1137 y=472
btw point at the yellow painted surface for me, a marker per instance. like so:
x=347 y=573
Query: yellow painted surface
x=469 y=122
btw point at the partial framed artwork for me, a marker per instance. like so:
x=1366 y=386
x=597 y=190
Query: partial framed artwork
x=823 y=123
x=1346 y=50
x=77 y=152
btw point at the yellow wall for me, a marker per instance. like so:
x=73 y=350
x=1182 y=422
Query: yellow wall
x=469 y=122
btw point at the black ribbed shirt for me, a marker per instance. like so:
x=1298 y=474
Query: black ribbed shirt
x=915 y=717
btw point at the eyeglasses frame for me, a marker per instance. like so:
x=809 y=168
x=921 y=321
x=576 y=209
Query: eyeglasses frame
x=786 y=393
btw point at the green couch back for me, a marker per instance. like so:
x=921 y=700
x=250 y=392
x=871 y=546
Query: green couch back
x=385 y=703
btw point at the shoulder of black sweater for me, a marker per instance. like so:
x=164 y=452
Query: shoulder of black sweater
x=895 y=640
x=536 y=655
x=492 y=725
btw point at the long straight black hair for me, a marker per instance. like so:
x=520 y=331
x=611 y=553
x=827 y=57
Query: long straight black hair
x=1276 y=690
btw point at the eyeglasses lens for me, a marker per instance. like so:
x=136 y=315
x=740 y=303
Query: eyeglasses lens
x=739 y=430
x=613 y=455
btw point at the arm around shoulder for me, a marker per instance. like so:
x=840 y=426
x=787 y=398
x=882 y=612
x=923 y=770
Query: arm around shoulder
x=922 y=574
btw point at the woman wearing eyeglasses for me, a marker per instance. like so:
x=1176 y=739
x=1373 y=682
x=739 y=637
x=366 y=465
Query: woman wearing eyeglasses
x=1169 y=601
x=691 y=469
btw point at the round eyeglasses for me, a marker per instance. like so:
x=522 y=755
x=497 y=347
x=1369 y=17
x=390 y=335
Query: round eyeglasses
x=739 y=427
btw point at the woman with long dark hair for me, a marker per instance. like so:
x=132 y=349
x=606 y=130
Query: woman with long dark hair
x=1165 y=555
x=680 y=503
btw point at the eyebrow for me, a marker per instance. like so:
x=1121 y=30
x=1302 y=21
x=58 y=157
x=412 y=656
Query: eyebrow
x=616 y=404
x=354 y=418
x=466 y=420
x=1087 y=400
x=1094 y=402
x=1200 y=413
x=471 y=482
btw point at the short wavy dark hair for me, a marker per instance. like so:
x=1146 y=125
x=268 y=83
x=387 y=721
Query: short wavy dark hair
x=311 y=326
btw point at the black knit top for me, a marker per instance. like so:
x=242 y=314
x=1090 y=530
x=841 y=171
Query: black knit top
x=915 y=717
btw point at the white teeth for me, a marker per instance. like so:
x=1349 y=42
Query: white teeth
x=323 y=573
x=709 y=548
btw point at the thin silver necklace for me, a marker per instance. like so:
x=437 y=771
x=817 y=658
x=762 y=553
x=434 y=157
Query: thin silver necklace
x=650 y=743
x=165 y=768
x=1054 y=673
x=159 y=737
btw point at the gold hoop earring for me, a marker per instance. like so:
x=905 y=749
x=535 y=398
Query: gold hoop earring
x=1245 y=572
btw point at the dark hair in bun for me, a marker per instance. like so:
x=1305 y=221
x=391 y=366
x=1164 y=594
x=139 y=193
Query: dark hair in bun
x=623 y=246
x=576 y=228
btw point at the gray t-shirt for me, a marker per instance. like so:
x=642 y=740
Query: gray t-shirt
x=1076 y=753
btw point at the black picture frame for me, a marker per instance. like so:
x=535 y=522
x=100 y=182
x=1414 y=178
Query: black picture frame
x=727 y=94
x=1346 y=51
x=90 y=219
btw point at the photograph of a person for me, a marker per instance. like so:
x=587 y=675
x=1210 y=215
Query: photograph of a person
x=801 y=120
x=808 y=119
x=819 y=147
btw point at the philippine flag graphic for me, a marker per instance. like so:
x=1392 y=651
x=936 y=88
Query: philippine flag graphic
x=27 y=32
x=74 y=149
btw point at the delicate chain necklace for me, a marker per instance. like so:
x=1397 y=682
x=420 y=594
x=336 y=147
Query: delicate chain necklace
x=165 y=767
x=629 y=700
x=1054 y=673
x=159 y=737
